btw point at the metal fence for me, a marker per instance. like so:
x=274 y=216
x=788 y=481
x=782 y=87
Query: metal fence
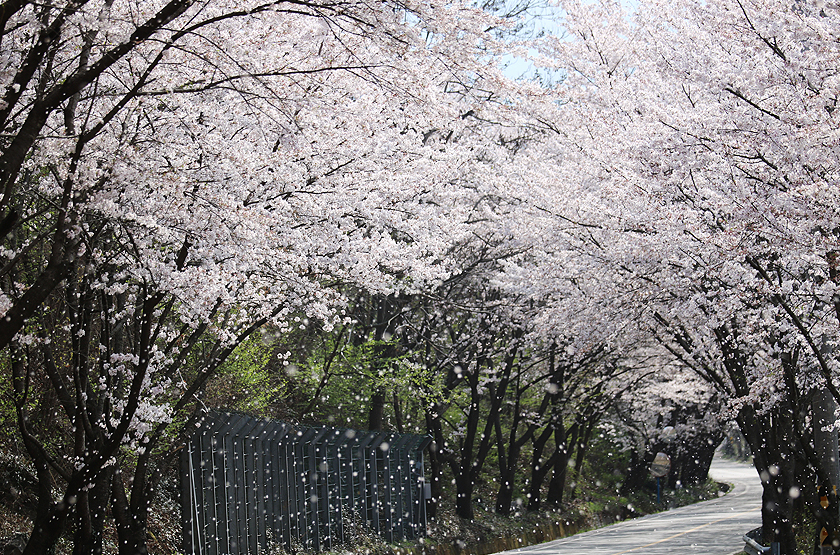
x=248 y=484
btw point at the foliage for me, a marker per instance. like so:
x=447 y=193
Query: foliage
x=244 y=382
x=344 y=212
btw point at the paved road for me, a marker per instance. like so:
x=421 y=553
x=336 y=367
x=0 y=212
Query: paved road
x=712 y=527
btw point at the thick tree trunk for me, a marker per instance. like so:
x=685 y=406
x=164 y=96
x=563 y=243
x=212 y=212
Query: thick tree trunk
x=46 y=530
x=558 y=482
x=697 y=458
x=509 y=462
x=435 y=469
x=504 y=497
x=91 y=510
x=539 y=470
x=560 y=465
x=87 y=539
x=50 y=517
x=639 y=471
x=50 y=523
x=773 y=461
x=464 y=492
x=131 y=528
x=472 y=459
x=377 y=410
x=540 y=467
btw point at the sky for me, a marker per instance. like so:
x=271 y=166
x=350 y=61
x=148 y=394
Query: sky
x=543 y=17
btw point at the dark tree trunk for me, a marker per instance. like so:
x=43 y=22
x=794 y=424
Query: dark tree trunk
x=539 y=469
x=435 y=429
x=464 y=492
x=773 y=462
x=560 y=467
x=131 y=528
x=90 y=513
x=50 y=523
x=377 y=410
x=465 y=469
x=509 y=458
x=50 y=516
x=557 y=463
x=398 y=414
x=46 y=531
x=557 y=484
x=434 y=483
x=582 y=444
x=639 y=471
x=504 y=497
x=507 y=476
x=472 y=460
x=697 y=458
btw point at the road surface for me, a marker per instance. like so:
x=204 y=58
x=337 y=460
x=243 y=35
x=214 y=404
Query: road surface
x=714 y=527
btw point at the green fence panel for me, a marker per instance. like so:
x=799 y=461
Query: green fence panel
x=248 y=483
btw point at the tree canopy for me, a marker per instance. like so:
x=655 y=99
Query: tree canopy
x=313 y=198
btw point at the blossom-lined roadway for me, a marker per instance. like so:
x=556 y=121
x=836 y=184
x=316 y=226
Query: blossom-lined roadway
x=714 y=527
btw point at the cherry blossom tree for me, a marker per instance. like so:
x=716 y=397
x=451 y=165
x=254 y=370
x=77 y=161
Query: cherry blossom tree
x=704 y=138
x=670 y=410
x=580 y=388
x=108 y=103
x=473 y=344
x=176 y=175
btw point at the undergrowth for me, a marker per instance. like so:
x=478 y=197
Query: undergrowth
x=591 y=502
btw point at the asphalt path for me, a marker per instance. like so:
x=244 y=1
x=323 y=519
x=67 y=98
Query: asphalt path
x=714 y=527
